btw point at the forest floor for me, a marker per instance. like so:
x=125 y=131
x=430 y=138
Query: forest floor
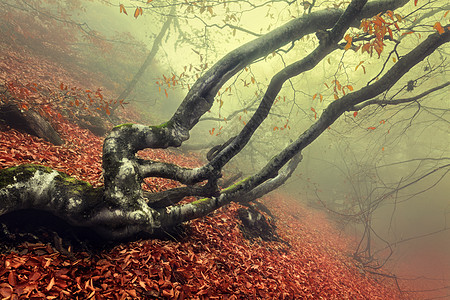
x=210 y=260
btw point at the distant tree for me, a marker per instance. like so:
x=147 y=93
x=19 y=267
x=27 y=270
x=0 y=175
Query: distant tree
x=122 y=209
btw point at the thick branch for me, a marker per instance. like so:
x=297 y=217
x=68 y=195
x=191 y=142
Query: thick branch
x=201 y=96
x=171 y=171
x=337 y=108
x=273 y=183
x=75 y=201
x=326 y=46
x=173 y=196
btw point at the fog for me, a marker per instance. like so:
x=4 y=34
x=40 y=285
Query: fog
x=386 y=167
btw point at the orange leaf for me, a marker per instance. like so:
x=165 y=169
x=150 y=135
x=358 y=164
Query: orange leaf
x=12 y=280
x=122 y=9
x=51 y=284
x=355 y=114
x=409 y=32
x=390 y=13
x=349 y=39
x=439 y=28
x=132 y=293
x=360 y=63
x=136 y=12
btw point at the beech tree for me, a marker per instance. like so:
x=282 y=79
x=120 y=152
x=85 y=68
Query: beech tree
x=121 y=208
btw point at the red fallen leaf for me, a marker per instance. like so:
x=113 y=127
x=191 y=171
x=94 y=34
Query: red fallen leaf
x=35 y=276
x=168 y=293
x=91 y=294
x=50 y=284
x=6 y=291
x=142 y=284
x=12 y=280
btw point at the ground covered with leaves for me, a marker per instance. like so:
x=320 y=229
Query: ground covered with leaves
x=210 y=260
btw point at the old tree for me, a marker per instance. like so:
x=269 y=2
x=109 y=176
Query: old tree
x=121 y=208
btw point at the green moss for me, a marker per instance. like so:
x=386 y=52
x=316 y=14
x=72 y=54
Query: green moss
x=236 y=185
x=69 y=180
x=163 y=125
x=200 y=201
x=20 y=173
x=123 y=125
x=24 y=172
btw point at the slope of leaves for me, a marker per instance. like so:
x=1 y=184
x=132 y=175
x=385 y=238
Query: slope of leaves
x=213 y=261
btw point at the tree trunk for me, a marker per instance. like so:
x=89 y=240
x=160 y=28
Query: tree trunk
x=121 y=209
x=29 y=121
x=156 y=43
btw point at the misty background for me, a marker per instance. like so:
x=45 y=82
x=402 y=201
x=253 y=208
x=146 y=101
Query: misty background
x=393 y=177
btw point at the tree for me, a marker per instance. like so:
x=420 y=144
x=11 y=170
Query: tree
x=121 y=208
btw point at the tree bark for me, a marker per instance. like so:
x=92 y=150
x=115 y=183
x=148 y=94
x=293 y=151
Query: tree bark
x=121 y=209
x=29 y=121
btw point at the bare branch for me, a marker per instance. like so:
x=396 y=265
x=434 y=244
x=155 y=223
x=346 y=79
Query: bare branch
x=398 y=101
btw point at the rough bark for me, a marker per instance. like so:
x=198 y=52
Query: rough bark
x=29 y=121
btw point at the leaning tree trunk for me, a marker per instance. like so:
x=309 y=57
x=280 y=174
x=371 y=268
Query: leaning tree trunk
x=121 y=208
x=156 y=43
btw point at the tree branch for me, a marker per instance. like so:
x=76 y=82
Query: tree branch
x=398 y=101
